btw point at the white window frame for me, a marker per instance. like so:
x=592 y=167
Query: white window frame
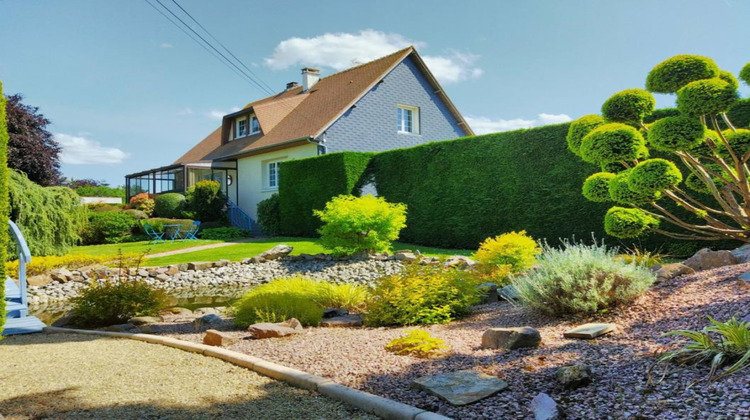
x=237 y=122
x=251 y=119
x=414 y=119
x=267 y=178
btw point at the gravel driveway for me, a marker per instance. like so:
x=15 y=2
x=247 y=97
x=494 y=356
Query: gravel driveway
x=68 y=376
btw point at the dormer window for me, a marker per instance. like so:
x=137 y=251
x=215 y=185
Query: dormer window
x=241 y=127
x=246 y=125
x=254 y=125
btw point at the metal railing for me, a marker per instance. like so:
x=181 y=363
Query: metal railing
x=24 y=257
x=238 y=218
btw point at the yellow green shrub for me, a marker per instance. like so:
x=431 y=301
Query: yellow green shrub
x=418 y=343
x=41 y=265
x=514 y=249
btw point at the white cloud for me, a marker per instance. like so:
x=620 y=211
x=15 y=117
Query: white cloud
x=216 y=114
x=343 y=50
x=185 y=111
x=166 y=45
x=78 y=150
x=484 y=125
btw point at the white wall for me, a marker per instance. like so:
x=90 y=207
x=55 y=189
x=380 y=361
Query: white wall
x=106 y=200
x=252 y=176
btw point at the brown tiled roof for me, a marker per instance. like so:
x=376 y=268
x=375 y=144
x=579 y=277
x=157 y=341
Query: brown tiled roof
x=293 y=116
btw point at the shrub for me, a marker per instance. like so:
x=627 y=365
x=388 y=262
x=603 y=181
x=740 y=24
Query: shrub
x=143 y=202
x=624 y=223
x=418 y=343
x=41 y=265
x=206 y=201
x=628 y=105
x=580 y=128
x=581 y=279
x=421 y=295
x=108 y=227
x=640 y=257
x=224 y=233
x=654 y=175
x=676 y=133
x=269 y=216
x=672 y=74
x=158 y=223
x=515 y=249
x=596 y=187
x=345 y=296
x=136 y=214
x=278 y=301
x=702 y=97
x=739 y=114
x=169 y=205
x=613 y=142
x=108 y=302
x=360 y=224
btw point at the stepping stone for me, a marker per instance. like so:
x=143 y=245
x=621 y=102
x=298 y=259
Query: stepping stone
x=462 y=387
x=218 y=338
x=589 y=331
x=545 y=408
x=347 y=321
x=511 y=338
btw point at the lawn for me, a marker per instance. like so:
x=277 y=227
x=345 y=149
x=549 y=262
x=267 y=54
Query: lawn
x=139 y=247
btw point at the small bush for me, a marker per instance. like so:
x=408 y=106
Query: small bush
x=224 y=233
x=278 y=301
x=514 y=249
x=709 y=96
x=206 y=201
x=345 y=296
x=169 y=205
x=108 y=227
x=640 y=257
x=422 y=295
x=269 y=215
x=673 y=73
x=137 y=214
x=418 y=343
x=360 y=224
x=109 y=302
x=631 y=105
x=143 y=202
x=581 y=279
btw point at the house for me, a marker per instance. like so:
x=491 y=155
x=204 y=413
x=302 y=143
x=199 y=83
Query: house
x=389 y=103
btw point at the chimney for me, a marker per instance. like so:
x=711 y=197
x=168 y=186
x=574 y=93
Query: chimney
x=310 y=77
x=291 y=85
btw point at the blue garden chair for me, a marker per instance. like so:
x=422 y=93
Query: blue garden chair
x=190 y=233
x=154 y=236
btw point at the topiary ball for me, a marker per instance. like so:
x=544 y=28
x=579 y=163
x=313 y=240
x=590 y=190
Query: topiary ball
x=729 y=78
x=704 y=97
x=738 y=140
x=695 y=183
x=672 y=74
x=596 y=187
x=620 y=191
x=631 y=105
x=613 y=142
x=580 y=128
x=654 y=175
x=676 y=133
x=626 y=223
x=739 y=113
x=745 y=74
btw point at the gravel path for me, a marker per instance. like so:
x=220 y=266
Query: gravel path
x=68 y=376
x=621 y=360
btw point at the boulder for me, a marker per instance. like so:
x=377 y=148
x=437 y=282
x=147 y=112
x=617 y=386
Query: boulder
x=172 y=270
x=742 y=254
x=459 y=261
x=222 y=263
x=143 y=320
x=545 y=408
x=574 y=376
x=511 y=338
x=218 y=338
x=205 y=311
x=180 y=311
x=589 y=331
x=183 y=266
x=281 y=329
x=208 y=319
x=334 y=312
x=706 y=259
x=346 y=321
x=490 y=295
x=200 y=265
x=670 y=271
x=61 y=274
x=40 y=280
x=162 y=277
x=142 y=272
x=509 y=292
x=405 y=256
x=279 y=251
x=161 y=270
x=429 y=261
x=462 y=387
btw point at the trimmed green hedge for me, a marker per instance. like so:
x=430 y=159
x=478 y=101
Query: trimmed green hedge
x=308 y=184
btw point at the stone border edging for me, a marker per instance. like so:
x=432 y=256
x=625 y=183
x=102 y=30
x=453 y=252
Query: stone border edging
x=382 y=407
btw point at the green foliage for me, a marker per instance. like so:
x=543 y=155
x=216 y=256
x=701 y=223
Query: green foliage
x=626 y=223
x=360 y=224
x=225 y=233
x=672 y=74
x=143 y=202
x=158 y=223
x=695 y=183
x=639 y=257
x=516 y=250
x=739 y=114
x=596 y=187
x=658 y=114
x=704 y=97
x=631 y=105
x=418 y=343
x=739 y=141
x=325 y=177
x=421 y=295
x=621 y=192
x=49 y=217
x=654 y=175
x=136 y=214
x=109 y=227
x=352 y=297
x=278 y=301
x=581 y=279
x=269 y=215
x=676 y=133
x=206 y=201
x=4 y=203
x=169 y=205
x=613 y=142
x=718 y=345
x=745 y=74
x=580 y=128
x=108 y=302
x=100 y=191
x=729 y=78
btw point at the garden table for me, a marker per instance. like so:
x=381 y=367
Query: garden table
x=173 y=231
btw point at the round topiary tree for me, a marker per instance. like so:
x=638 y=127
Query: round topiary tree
x=169 y=205
x=706 y=153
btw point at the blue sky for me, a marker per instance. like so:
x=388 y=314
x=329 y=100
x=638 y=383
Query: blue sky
x=128 y=91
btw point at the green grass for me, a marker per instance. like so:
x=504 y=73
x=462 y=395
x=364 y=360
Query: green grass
x=137 y=247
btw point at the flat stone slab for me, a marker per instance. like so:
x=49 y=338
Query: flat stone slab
x=346 y=321
x=462 y=387
x=589 y=331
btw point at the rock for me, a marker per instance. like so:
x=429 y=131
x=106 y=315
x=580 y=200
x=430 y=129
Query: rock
x=172 y=270
x=346 y=321
x=217 y=338
x=201 y=265
x=161 y=270
x=429 y=261
x=545 y=408
x=162 y=277
x=222 y=263
x=379 y=257
x=205 y=311
x=60 y=274
x=744 y=277
x=281 y=329
x=511 y=338
x=40 y=280
x=120 y=327
x=183 y=266
x=208 y=319
x=405 y=256
x=146 y=329
x=509 y=292
x=462 y=387
x=589 y=331
x=143 y=320
x=670 y=271
x=742 y=254
x=459 y=261
x=574 y=376
x=334 y=312
x=142 y=272
x=490 y=295
x=706 y=259
x=279 y=251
